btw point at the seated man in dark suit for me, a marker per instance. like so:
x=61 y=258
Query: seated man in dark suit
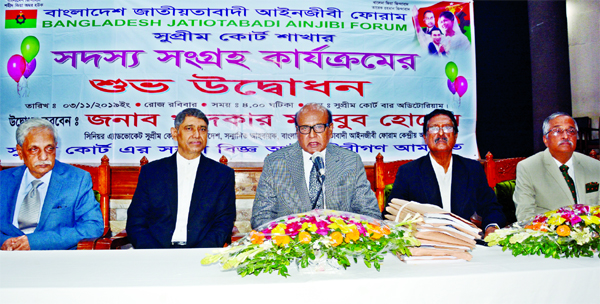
x=185 y=200
x=452 y=182
x=45 y=204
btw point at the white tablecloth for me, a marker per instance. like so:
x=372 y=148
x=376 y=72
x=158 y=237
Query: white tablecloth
x=175 y=276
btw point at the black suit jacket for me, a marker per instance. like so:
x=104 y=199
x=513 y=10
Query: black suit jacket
x=152 y=214
x=470 y=192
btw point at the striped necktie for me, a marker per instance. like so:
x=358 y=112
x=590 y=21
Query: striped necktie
x=29 y=213
x=564 y=169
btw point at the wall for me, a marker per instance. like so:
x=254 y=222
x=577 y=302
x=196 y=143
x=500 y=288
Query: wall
x=583 y=21
x=504 y=97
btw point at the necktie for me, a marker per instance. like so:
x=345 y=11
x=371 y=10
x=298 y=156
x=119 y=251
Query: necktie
x=569 y=180
x=30 y=208
x=314 y=189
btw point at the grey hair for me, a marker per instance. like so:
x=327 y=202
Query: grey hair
x=30 y=124
x=546 y=124
x=314 y=107
x=189 y=112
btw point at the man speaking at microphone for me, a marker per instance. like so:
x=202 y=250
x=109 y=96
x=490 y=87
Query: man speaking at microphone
x=312 y=174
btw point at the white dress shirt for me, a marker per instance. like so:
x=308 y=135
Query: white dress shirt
x=25 y=187
x=186 y=177
x=444 y=180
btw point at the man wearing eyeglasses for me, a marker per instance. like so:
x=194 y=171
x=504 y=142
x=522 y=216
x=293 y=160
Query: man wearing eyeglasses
x=557 y=176
x=291 y=183
x=450 y=181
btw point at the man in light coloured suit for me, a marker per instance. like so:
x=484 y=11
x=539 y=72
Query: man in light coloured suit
x=542 y=186
x=285 y=188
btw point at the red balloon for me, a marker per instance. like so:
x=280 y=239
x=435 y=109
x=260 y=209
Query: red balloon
x=16 y=67
x=461 y=85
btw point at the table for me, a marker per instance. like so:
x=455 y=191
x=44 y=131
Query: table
x=175 y=275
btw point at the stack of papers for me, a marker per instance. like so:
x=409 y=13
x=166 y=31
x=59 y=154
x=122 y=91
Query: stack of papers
x=444 y=236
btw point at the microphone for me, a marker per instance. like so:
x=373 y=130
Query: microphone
x=317 y=159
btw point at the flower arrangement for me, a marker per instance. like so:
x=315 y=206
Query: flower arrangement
x=570 y=231
x=303 y=238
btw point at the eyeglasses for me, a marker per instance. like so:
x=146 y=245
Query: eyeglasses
x=436 y=129
x=558 y=131
x=318 y=128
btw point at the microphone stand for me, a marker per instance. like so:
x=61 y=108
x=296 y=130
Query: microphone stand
x=323 y=190
x=321 y=180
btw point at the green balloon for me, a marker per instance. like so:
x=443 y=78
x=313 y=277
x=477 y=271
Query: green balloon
x=30 y=48
x=451 y=70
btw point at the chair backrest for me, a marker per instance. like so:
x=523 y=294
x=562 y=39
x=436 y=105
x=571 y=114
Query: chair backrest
x=101 y=177
x=101 y=183
x=500 y=170
x=385 y=174
x=585 y=133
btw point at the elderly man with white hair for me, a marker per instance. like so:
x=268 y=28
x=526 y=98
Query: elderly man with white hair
x=45 y=204
x=557 y=176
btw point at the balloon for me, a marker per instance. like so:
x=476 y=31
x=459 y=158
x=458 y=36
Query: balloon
x=451 y=70
x=30 y=48
x=16 y=67
x=451 y=87
x=30 y=67
x=461 y=85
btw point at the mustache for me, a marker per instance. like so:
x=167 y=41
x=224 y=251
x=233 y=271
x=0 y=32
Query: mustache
x=42 y=162
x=567 y=141
x=444 y=138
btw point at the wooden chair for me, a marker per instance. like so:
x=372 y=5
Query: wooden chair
x=594 y=144
x=585 y=133
x=385 y=174
x=102 y=176
x=243 y=177
x=101 y=183
x=498 y=171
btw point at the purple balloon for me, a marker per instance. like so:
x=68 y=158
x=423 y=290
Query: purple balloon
x=451 y=87
x=29 y=68
x=461 y=85
x=16 y=67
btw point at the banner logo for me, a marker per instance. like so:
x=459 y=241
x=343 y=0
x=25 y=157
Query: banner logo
x=20 y=19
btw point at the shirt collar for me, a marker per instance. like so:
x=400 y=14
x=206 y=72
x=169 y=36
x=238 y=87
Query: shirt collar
x=184 y=161
x=29 y=178
x=438 y=168
x=306 y=156
x=569 y=163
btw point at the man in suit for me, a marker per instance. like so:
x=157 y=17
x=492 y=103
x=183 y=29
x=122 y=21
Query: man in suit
x=424 y=33
x=285 y=183
x=450 y=181
x=45 y=204
x=435 y=46
x=185 y=200
x=542 y=186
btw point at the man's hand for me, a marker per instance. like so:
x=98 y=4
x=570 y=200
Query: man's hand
x=415 y=12
x=16 y=243
x=489 y=230
x=442 y=50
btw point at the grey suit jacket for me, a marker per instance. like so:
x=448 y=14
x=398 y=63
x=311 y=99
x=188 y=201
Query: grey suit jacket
x=282 y=187
x=540 y=186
